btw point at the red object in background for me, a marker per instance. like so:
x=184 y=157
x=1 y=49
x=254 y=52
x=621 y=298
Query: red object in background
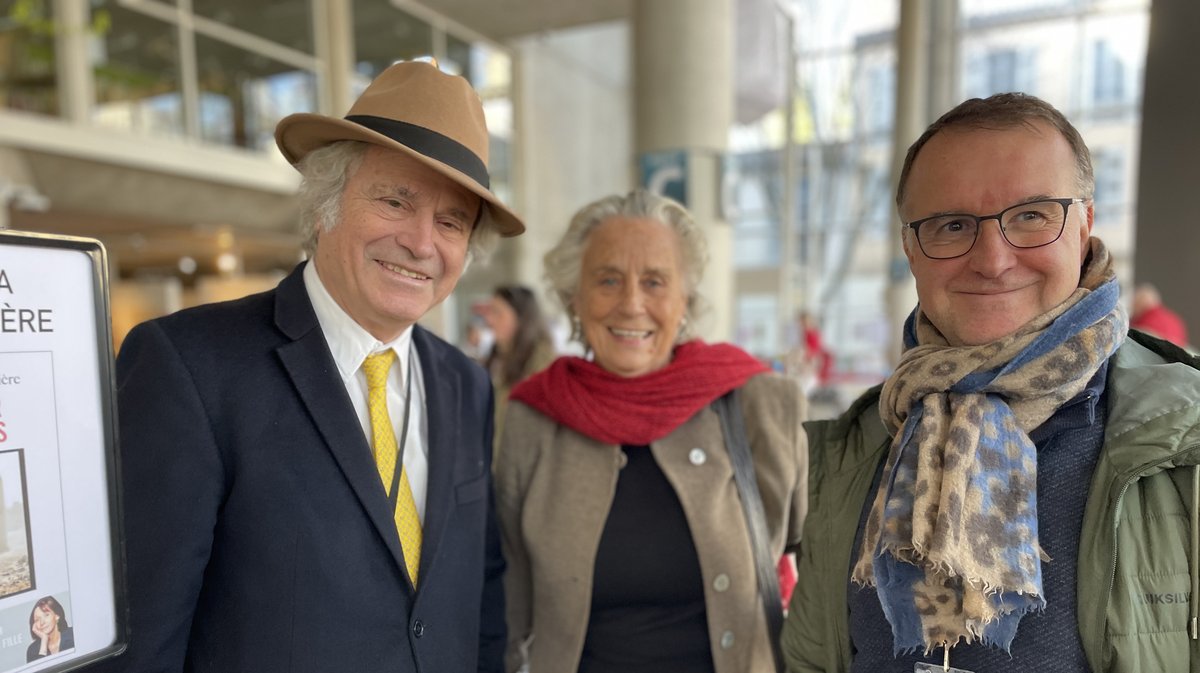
x=787 y=578
x=815 y=352
x=1162 y=322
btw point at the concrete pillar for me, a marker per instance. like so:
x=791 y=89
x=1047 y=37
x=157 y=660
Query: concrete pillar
x=1167 y=240
x=76 y=86
x=573 y=137
x=683 y=100
x=943 y=91
x=912 y=83
x=336 y=47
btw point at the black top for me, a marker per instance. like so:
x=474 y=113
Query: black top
x=648 y=594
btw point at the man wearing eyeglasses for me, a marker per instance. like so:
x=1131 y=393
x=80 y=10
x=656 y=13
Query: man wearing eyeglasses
x=1023 y=492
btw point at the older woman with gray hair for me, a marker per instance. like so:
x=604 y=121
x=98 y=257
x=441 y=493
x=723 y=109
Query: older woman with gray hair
x=621 y=479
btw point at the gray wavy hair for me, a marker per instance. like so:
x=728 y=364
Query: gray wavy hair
x=564 y=262
x=324 y=173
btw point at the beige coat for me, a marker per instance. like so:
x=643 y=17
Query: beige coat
x=554 y=488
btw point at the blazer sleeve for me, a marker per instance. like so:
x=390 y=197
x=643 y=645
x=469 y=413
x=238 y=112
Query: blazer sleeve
x=172 y=485
x=510 y=493
x=800 y=490
x=492 y=627
x=806 y=625
x=802 y=640
x=775 y=408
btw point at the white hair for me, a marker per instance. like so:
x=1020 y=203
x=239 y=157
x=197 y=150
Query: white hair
x=325 y=171
x=564 y=262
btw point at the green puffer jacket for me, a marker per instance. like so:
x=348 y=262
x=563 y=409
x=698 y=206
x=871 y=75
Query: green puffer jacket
x=1138 y=574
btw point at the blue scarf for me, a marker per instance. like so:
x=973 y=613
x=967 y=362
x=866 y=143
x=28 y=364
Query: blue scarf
x=951 y=543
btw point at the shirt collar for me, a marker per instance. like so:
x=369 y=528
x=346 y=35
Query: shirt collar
x=348 y=342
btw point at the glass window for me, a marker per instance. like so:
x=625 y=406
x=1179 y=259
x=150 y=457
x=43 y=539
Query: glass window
x=879 y=97
x=972 y=9
x=490 y=70
x=1086 y=59
x=1108 y=76
x=844 y=113
x=1000 y=69
x=384 y=35
x=244 y=94
x=136 y=69
x=457 y=59
x=284 y=22
x=758 y=324
x=755 y=209
x=490 y=73
x=28 y=75
x=1109 y=166
x=1115 y=53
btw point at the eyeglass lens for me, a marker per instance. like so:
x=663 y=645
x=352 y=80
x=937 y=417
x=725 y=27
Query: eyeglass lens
x=1027 y=225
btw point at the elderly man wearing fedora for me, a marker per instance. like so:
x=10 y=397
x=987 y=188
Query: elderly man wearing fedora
x=306 y=472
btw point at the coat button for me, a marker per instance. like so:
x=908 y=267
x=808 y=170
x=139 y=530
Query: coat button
x=721 y=582
x=697 y=456
x=418 y=628
x=727 y=640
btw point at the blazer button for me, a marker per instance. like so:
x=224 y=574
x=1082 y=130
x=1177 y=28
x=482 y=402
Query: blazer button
x=697 y=456
x=727 y=640
x=418 y=628
x=721 y=582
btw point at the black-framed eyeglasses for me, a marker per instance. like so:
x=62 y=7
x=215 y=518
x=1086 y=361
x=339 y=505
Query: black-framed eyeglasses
x=1025 y=225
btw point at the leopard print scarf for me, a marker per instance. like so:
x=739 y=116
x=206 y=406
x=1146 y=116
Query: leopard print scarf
x=951 y=542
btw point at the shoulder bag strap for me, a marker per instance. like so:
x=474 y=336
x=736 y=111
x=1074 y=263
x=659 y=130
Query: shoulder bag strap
x=734 y=430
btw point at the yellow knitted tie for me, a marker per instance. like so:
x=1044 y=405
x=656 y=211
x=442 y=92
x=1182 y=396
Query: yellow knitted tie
x=408 y=524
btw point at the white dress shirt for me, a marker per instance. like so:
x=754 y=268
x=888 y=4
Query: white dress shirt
x=350 y=344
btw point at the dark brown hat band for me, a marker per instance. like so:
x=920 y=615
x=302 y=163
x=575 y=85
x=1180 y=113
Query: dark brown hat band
x=429 y=143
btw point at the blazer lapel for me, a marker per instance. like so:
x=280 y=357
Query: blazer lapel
x=314 y=374
x=442 y=404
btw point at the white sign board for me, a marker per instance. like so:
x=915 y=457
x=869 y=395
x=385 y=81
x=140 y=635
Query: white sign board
x=62 y=602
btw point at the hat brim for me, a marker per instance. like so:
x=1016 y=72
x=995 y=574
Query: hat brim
x=301 y=133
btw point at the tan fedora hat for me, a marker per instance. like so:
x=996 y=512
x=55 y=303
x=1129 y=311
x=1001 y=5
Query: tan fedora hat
x=417 y=109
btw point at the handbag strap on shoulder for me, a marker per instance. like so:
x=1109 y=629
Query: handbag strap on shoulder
x=733 y=428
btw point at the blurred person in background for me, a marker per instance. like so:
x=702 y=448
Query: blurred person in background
x=522 y=345
x=306 y=472
x=810 y=360
x=1020 y=494
x=626 y=536
x=477 y=341
x=819 y=358
x=1149 y=315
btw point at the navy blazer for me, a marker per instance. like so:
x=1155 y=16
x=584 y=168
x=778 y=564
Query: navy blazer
x=258 y=533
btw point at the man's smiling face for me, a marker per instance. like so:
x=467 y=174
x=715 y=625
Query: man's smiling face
x=995 y=289
x=400 y=244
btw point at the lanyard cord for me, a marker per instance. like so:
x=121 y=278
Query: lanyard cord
x=395 y=489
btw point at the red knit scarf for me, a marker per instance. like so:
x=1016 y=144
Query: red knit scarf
x=636 y=411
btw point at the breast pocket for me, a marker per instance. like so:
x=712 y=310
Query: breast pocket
x=1152 y=586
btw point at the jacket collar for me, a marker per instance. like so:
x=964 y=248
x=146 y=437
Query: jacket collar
x=308 y=362
x=1152 y=393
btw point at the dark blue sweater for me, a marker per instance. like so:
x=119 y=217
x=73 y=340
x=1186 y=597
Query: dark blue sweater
x=1068 y=446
